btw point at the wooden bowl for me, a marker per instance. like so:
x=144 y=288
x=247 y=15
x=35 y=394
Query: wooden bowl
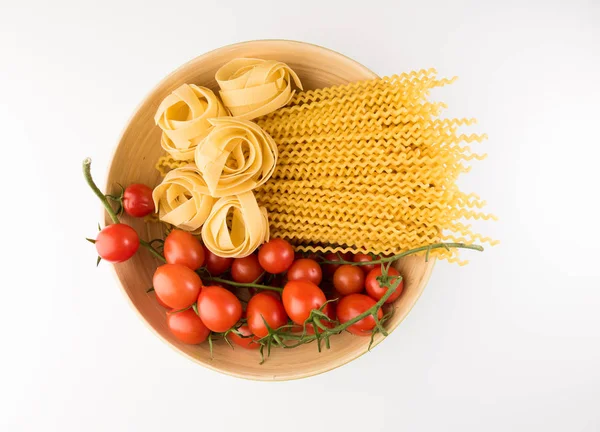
x=133 y=162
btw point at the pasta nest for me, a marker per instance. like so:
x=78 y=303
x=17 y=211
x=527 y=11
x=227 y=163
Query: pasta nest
x=251 y=88
x=184 y=117
x=236 y=156
x=183 y=200
x=236 y=226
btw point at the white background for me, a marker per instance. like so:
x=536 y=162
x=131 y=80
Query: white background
x=510 y=342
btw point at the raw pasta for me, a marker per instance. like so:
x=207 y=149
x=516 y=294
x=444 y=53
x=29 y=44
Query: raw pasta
x=235 y=157
x=184 y=117
x=236 y=226
x=182 y=199
x=251 y=88
x=369 y=167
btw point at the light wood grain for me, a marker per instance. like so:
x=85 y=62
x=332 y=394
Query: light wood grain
x=134 y=160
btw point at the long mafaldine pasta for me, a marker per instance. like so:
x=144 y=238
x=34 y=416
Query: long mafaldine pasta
x=370 y=167
x=251 y=88
x=182 y=199
x=236 y=226
x=235 y=157
x=184 y=117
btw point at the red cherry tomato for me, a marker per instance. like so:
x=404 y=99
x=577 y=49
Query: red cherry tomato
x=376 y=291
x=299 y=298
x=349 y=279
x=215 y=264
x=218 y=308
x=360 y=257
x=246 y=270
x=176 y=285
x=264 y=305
x=244 y=342
x=137 y=200
x=276 y=256
x=353 y=305
x=305 y=269
x=117 y=243
x=183 y=248
x=187 y=326
x=331 y=268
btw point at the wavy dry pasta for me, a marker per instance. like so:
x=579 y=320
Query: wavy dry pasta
x=236 y=226
x=184 y=117
x=370 y=167
x=251 y=88
x=235 y=157
x=182 y=199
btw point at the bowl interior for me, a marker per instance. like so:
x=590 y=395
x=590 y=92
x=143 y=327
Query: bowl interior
x=134 y=160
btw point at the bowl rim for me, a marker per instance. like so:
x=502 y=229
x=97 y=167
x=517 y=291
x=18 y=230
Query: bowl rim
x=104 y=219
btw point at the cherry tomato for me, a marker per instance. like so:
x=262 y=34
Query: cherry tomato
x=218 y=308
x=360 y=257
x=246 y=270
x=349 y=279
x=299 y=298
x=215 y=264
x=176 y=285
x=276 y=256
x=305 y=269
x=264 y=305
x=376 y=291
x=247 y=342
x=117 y=243
x=137 y=200
x=353 y=305
x=183 y=248
x=187 y=326
x=331 y=268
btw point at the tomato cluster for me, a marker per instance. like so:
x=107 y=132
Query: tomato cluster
x=215 y=306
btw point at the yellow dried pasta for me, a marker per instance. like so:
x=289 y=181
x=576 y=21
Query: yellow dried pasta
x=235 y=157
x=236 y=226
x=184 y=117
x=370 y=167
x=182 y=199
x=251 y=87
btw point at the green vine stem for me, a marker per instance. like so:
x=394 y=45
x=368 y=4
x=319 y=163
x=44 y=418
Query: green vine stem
x=87 y=166
x=239 y=284
x=408 y=252
x=152 y=250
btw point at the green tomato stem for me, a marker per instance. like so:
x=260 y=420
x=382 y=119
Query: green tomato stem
x=87 y=166
x=408 y=252
x=244 y=285
x=152 y=250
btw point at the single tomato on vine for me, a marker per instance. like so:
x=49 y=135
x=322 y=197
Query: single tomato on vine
x=376 y=291
x=137 y=200
x=117 y=243
x=183 y=248
x=246 y=270
x=215 y=264
x=265 y=307
x=305 y=269
x=187 y=326
x=248 y=342
x=219 y=309
x=176 y=285
x=300 y=298
x=351 y=306
x=349 y=279
x=276 y=256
